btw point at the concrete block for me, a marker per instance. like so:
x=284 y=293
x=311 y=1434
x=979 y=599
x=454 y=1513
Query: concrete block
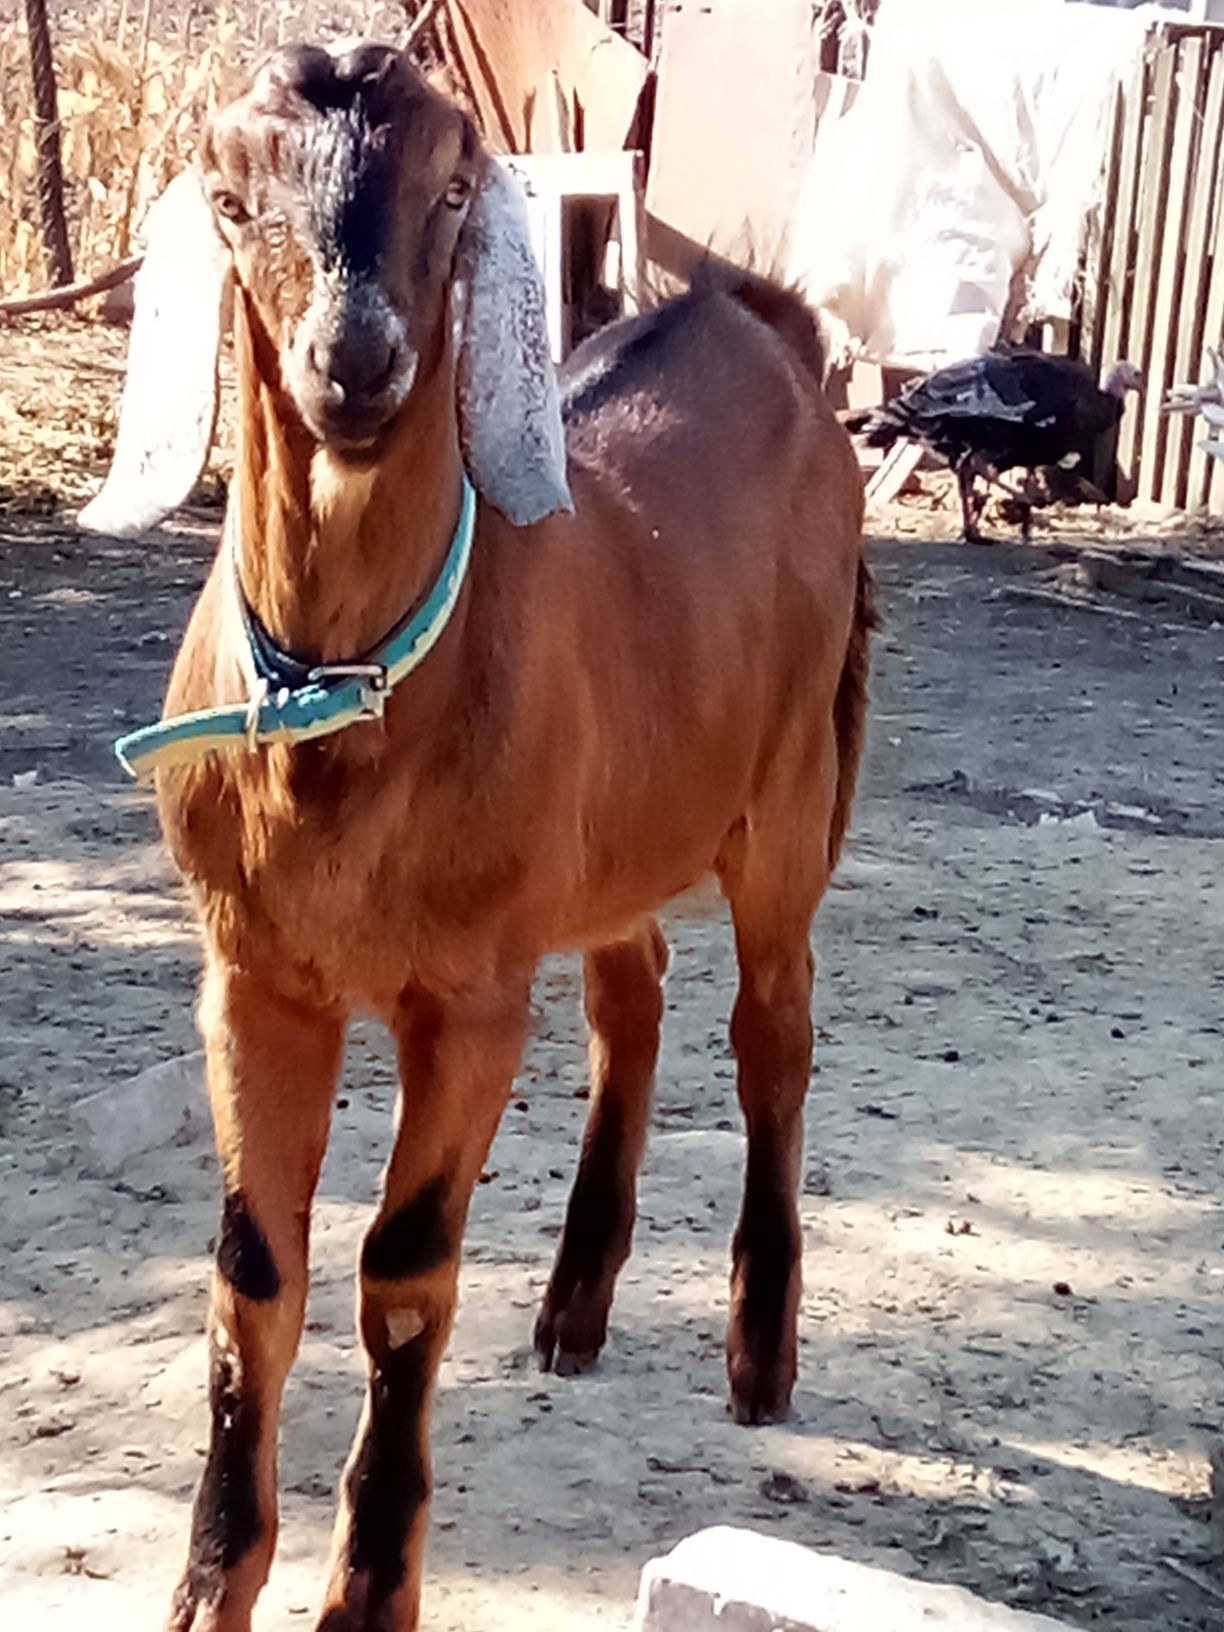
x=167 y=1104
x=726 y=1580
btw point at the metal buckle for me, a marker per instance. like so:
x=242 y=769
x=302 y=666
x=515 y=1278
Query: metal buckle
x=373 y=692
x=255 y=702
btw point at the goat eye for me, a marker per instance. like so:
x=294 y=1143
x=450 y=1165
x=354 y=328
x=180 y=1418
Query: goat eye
x=231 y=207
x=458 y=193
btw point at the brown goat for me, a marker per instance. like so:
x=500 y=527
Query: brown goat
x=660 y=677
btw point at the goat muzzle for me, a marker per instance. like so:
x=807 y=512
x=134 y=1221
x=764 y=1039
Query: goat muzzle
x=349 y=387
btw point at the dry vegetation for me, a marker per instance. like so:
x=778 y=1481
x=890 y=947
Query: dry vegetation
x=134 y=82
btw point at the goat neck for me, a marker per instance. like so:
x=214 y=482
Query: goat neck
x=335 y=550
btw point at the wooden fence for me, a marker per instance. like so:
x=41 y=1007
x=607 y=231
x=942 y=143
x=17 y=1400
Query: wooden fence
x=1153 y=288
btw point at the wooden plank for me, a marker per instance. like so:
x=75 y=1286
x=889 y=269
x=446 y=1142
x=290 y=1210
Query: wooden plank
x=1167 y=262
x=898 y=465
x=1212 y=336
x=1206 y=473
x=1115 y=327
x=1185 y=467
x=1154 y=179
x=1098 y=248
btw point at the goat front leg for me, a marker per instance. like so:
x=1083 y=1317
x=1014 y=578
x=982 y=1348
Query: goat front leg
x=624 y=1007
x=458 y=1057
x=272 y=1069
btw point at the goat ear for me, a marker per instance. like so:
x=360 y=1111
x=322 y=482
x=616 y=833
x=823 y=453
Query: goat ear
x=509 y=411
x=169 y=404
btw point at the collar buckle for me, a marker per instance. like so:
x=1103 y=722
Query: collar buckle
x=376 y=683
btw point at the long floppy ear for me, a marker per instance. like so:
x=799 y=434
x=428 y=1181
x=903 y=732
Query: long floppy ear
x=509 y=411
x=169 y=404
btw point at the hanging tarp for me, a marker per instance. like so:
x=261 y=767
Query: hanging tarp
x=960 y=180
x=739 y=98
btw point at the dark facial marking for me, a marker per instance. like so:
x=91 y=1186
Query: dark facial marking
x=388 y=1483
x=413 y=1240
x=243 y=1255
x=350 y=174
x=226 y=1521
x=351 y=145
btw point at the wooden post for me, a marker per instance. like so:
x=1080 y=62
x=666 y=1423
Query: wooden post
x=47 y=144
x=1152 y=202
x=1185 y=468
x=1168 y=267
x=1098 y=249
x=1119 y=280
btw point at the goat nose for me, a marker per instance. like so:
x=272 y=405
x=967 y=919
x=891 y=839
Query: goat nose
x=356 y=371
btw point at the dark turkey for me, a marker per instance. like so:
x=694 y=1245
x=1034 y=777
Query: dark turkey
x=1002 y=411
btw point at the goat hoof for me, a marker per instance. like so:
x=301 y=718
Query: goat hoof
x=572 y=1363
x=760 y=1392
x=182 y=1612
x=545 y=1343
x=189 y=1612
x=569 y=1335
x=757 y=1413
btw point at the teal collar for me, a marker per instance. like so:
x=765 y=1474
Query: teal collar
x=329 y=696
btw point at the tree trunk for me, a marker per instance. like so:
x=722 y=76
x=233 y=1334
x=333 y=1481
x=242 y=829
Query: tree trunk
x=47 y=141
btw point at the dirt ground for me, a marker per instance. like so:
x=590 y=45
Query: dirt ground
x=1012 y=1333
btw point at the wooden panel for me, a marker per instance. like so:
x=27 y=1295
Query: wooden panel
x=1213 y=335
x=1185 y=468
x=1167 y=261
x=1098 y=246
x=729 y=181
x=1153 y=270
x=1114 y=328
x=1154 y=178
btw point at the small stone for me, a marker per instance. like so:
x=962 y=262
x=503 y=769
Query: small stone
x=783 y=1488
x=167 y=1104
x=53 y=1427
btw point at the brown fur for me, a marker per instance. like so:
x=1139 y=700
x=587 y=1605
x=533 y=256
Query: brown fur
x=670 y=681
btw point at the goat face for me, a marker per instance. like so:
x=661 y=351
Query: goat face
x=340 y=184
x=360 y=218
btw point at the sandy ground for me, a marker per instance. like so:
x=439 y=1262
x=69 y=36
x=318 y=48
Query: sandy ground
x=1012 y=1332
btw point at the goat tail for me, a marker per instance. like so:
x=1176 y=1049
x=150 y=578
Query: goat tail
x=779 y=306
x=850 y=708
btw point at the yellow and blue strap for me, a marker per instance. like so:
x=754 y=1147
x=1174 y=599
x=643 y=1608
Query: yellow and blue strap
x=332 y=695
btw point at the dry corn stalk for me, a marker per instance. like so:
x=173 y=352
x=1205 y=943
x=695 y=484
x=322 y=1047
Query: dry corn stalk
x=125 y=133
x=130 y=113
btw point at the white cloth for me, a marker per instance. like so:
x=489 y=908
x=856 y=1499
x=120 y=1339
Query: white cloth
x=974 y=151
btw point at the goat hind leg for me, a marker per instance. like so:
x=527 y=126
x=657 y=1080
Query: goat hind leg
x=272 y=1068
x=771 y=1032
x=624 y=1007
x=458 y=1057
x=773 y=874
